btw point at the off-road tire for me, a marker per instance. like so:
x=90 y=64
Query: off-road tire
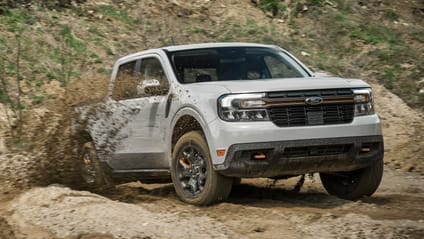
x=216 y=187
x=356 y=184
x=100 y=181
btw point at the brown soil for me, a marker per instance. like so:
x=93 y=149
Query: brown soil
x=256 y=209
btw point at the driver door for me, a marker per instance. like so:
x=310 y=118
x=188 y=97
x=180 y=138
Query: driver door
x=140 y=94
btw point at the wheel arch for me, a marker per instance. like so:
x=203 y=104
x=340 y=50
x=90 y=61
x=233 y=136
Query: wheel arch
x=81 y=137
x=185 y=120
x=185 y=124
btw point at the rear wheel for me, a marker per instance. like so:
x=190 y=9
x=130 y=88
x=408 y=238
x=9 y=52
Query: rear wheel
x=194 y=178
x=355 y=184
x=91 y=172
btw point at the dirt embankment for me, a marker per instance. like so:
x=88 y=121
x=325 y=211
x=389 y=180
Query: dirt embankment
x=403 y=129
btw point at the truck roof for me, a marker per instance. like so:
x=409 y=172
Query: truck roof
x=190 y=47
x=212 y=45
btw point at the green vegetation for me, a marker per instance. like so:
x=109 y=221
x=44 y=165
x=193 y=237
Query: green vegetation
x=14 y=17
x=199 y=30
x=391 y=15
x=373 y=33
x=316 y=2
x=11 y=80
x=95 y=31
x=353 y=43
x=390 y=76
x=50 y=4
x=67 y=55
x=120 y=15
x=109 y=51
x=237 y=31
x=37 y=99
x=275 y=7
x=369 y=32
x=104 y=71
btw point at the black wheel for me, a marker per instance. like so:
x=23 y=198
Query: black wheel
x=355 y=184
x=194 y=178
x=92 y=174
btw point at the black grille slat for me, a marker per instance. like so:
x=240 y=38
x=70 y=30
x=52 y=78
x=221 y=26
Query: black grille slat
x=320 y=150
x=308 y=93
x=300 y=115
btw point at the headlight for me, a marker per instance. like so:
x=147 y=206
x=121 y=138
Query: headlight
x=364 y=103
x=242 y=107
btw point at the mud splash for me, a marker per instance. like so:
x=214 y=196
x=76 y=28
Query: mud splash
x=46 y=146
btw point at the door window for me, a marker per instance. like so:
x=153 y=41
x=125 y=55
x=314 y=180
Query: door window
x=140 y=78
x=125 y=83
x=153 y=81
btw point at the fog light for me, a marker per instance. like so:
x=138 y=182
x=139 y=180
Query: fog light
x=259 y=155
x=220 y=152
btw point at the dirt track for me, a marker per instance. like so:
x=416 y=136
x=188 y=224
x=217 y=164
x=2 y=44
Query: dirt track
x=255 y=209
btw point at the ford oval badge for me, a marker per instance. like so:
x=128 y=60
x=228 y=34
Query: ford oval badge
x=314 y=100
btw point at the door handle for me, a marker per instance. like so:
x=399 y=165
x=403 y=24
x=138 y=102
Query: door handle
x=168 y=104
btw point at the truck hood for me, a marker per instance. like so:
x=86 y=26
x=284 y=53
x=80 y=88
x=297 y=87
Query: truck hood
x=288 y=84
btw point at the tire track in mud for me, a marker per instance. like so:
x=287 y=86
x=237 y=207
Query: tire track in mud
x=257 y=211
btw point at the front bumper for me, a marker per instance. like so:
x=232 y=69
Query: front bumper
x=295 y=157
x=222 y=135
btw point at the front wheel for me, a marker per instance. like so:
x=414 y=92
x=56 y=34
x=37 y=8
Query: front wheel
x=193 y=176
x=355 y=184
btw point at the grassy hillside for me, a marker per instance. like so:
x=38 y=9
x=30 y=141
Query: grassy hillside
x=44 y=45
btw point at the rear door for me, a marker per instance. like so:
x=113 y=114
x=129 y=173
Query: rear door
x=139 y=95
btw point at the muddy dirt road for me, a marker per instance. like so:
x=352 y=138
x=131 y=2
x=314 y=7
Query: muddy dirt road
x=255 y=209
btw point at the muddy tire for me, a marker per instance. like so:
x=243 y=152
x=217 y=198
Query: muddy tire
x=356 y=184
x=195 y=181
x=92 y=175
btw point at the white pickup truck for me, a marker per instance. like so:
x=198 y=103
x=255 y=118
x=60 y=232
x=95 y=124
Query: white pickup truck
x=205 y=115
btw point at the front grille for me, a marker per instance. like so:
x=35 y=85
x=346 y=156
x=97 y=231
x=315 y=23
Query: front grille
x=304 y=115
x=321 y=150
x=289 y=108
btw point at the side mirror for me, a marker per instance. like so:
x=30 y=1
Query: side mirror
x=148 y=87
x=150 y=83
x=321 y=74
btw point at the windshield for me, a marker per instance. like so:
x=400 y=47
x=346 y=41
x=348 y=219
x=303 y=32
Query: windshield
x=234 y=63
